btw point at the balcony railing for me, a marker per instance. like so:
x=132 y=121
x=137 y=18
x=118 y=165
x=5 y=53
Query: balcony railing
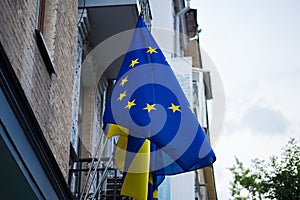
x=108 y=180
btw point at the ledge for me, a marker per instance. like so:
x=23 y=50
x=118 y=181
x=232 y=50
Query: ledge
x=44 y=52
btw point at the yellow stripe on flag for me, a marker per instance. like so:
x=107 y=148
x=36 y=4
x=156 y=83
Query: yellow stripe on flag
x=115 y=130
x=120 y=153
x=155 y=194
x=136 y=184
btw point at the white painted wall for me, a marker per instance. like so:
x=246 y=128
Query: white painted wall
x=182 y=186
x=182 y=67
x=163 y=25
x=162 y=13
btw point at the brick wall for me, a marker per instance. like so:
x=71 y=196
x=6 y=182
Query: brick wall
x=49 y=96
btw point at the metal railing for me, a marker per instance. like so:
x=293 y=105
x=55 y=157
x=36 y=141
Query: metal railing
x=105 y=185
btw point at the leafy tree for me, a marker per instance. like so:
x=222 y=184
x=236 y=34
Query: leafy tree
x=278 y=179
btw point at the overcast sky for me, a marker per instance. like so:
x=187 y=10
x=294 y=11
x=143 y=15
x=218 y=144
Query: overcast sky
x=255 y=46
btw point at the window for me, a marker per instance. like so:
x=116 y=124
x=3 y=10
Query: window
x=39 y=31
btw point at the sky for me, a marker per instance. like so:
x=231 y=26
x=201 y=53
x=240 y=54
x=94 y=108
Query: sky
x=255 y=47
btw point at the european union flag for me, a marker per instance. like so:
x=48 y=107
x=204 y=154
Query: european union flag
x=148 y=104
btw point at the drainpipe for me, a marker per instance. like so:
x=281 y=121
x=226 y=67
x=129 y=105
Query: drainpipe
x=177 y=23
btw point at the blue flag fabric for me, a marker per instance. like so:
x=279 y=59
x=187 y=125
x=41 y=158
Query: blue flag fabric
x=149 y=103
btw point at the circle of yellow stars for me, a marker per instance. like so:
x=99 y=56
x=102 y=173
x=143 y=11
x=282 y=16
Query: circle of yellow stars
x=149 y=107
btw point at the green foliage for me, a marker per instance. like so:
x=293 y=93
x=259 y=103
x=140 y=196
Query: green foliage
x=278 y=179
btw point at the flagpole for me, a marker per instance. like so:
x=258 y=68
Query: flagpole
x=90 y=169
x=99 y=186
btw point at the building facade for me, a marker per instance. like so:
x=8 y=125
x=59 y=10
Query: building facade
x=56 y=74
x=37 y=57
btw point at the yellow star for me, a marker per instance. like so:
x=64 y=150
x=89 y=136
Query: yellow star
x=122 y=95
x=134 y=62
x=124 y=80
x=149 y=107
x=174 y=108
x=151 y=50
x=130 y=104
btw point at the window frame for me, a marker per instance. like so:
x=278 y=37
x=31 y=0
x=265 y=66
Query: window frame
x=39 y=28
